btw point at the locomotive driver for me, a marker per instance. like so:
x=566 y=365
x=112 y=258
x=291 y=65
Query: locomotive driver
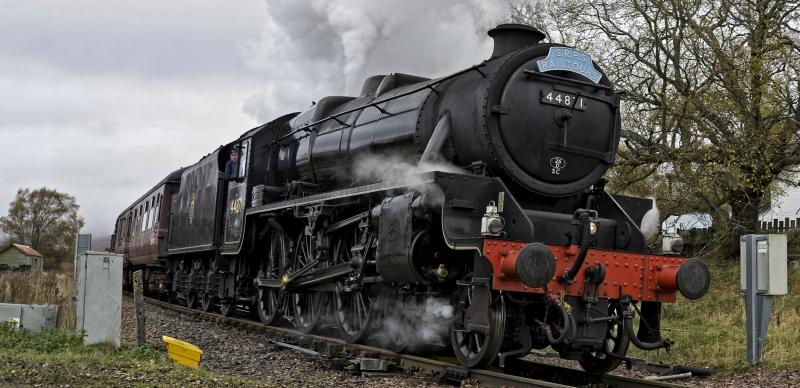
x=231 y=166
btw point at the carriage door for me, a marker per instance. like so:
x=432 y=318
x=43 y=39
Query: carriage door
x=237 y=195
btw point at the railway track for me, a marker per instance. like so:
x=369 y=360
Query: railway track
x=516 y=373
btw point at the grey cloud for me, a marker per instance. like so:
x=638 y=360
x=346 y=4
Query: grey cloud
x=144 y=38
x=103 y=99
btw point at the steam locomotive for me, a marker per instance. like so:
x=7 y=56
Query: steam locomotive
x=482 y=190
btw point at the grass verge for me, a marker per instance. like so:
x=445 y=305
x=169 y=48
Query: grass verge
x=54 y=357
x=711 y=331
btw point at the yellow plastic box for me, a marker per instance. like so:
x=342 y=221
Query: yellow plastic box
x=182 y=352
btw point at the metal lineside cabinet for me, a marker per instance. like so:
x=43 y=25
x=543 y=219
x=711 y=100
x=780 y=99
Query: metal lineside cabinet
x=98 y=297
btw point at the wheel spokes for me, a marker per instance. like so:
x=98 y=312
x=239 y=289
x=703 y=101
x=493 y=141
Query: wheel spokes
x=477 y=348
x=267 y=302
x=306 y=305
x=615 y=342
x=354 y=308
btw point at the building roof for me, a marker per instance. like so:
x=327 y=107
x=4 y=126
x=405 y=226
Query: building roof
x=26 y=250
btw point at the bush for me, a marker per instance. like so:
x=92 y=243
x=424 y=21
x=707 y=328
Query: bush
x=45 y=341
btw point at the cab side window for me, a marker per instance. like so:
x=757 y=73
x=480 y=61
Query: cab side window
x=243 y=159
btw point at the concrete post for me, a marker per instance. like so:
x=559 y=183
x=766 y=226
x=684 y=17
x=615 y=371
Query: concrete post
x=138 y=315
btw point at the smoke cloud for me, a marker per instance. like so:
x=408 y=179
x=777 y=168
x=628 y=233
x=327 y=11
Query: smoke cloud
x=416 y=326
x=309 y=50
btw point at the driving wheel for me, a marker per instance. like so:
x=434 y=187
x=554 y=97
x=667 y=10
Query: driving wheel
x=307 y=306
x=272 y=267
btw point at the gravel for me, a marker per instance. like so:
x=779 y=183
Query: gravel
x=249 y=354
x=755 y=378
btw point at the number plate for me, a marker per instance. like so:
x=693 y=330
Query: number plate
x=562 y=99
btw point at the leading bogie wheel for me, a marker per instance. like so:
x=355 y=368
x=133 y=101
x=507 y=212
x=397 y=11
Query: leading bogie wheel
x=616 y=342
x=476 y=348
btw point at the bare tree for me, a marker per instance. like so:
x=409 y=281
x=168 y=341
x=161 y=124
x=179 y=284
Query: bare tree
x=711 y=104
x=45 y=219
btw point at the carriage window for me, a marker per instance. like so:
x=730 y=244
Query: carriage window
x=158 y=207
x=140 y=222
x=154 y=213
x=146 y=218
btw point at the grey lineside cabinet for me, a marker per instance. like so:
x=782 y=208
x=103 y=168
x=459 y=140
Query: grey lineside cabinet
x=98 y=297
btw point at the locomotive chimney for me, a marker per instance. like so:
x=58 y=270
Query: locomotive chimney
x=512 y=37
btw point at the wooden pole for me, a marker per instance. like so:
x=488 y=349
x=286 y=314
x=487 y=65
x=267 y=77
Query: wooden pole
x=138 y=315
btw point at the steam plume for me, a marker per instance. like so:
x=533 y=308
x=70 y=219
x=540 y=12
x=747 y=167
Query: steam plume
x=309 y=50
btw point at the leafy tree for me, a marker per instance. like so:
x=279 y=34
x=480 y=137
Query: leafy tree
x=711 y=118
x=44 y=219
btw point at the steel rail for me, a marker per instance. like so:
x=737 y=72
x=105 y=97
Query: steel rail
x=518 y=373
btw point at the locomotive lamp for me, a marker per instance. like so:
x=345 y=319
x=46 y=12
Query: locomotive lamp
x=491 y=223
x=593 y=228
x=671 y=243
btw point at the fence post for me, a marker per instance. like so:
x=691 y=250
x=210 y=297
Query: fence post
x=138 y=315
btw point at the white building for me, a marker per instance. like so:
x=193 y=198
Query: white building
x=780 y=208
x=786 y=206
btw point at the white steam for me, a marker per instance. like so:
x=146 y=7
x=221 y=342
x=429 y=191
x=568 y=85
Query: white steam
x=313 y=49
x=395 y=168
x=651 y=223
x=416 y=326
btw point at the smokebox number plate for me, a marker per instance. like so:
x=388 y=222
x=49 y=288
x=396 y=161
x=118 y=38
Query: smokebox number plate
x=562 y=99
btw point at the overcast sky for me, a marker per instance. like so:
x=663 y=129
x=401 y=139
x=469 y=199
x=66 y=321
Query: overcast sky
x=102 y=99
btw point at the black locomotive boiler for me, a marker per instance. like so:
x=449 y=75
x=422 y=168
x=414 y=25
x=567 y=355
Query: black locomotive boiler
x=516 y=234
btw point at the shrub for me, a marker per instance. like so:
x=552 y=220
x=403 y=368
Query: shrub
x=45 y=341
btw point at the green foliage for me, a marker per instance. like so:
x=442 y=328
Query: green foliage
x=143 y=353
x=52 y=357
x=45 y=219
x=46 y=341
